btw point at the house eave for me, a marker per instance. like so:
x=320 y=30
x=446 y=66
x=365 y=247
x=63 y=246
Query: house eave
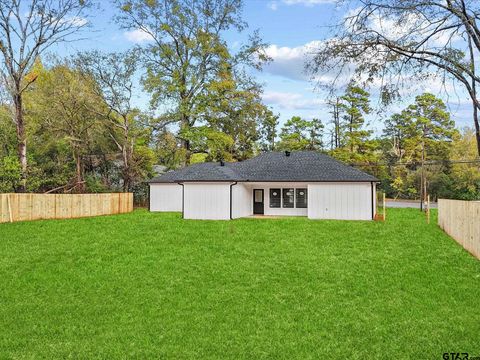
x=265 y=180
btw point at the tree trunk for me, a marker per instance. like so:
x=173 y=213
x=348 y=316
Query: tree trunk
x=422 y=175
x=126 y=155
x=126 y=170
x=477 y=127
x=474 y=95
x=21 y=140
x=336 y=115
x=80 y=184
x=185 y=143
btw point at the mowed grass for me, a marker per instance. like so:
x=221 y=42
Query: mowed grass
x=151 y=285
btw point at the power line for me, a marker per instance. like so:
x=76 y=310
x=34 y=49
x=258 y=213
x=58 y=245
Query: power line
x=418 y=163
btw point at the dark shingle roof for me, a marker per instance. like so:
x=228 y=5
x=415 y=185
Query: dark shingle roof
x=270 y=166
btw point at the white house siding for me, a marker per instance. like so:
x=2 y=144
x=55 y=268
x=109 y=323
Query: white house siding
x=242 y=201
x=165 y=197
x=343 y=201
x=207 y=201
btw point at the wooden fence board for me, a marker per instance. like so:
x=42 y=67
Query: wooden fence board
x=23 y=207
x=461 y=220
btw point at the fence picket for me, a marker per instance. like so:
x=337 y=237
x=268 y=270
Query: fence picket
x=22 y=207
x=461 y=220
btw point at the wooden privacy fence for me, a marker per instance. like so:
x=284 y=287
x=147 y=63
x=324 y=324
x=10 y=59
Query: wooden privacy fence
x=22 y=207
x=461 y=220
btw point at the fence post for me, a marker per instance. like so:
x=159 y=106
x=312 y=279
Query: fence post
x=428 y=209
x=384 y=210
x=9 y=202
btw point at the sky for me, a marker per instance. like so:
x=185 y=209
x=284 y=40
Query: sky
x=291 y=28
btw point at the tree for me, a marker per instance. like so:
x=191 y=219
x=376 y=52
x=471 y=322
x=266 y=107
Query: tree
x=216 y=145
x=187 y=53
x=168 y=150
x=465 y=177
x=63 y=100
x=113 y=73
x=232 y=105
x=301 y=134
x=354 y=105
x=423 y=131
x=268 y=130
x=396 y=131
x=26 y=31
x=354 y=140
x=335 y=124
x=431 y=125
x=396 y=42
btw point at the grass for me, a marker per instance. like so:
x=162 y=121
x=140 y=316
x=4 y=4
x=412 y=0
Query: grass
x=150 y=285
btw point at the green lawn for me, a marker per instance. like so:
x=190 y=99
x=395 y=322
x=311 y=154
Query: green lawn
x=151 y=285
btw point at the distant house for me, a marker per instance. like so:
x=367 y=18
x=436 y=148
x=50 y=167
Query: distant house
x=303 y=183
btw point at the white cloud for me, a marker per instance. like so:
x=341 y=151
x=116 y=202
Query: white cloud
x=137 y=36
x=411 y=27
x=291 y=101
x=77 y=21
x=289 y=62
x=272 y=5
x=307 y=2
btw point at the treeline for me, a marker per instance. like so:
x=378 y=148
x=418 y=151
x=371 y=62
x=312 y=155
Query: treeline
x=71 y=124
x=419 y=152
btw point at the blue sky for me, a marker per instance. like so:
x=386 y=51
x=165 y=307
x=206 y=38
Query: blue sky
x=291 y=27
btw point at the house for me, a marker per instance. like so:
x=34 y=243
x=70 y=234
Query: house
x=303 y=183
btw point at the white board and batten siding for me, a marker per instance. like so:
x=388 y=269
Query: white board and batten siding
x=166 y=197
x=206 y=201
x=341 y=201
x=242 y=201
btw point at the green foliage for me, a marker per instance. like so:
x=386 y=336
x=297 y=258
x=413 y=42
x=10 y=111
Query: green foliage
x=215 y=144
x=353 y=107
x=424 y=130
x=301 y=134
x=167 y=150
x=190 y=68
x=10 y=173
x=233 y=107
x=267 y=130
x=355 y=143
x=73 y=144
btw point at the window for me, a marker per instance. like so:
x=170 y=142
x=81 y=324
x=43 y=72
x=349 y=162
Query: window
x=301 y=198
x=258 y=196
x=288 y=198
x=275 y=198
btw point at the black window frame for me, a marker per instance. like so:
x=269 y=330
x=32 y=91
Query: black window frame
x=298 y=196
x=279 y=198
x=285 y=204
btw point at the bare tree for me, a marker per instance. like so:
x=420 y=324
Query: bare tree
x=28 y=28
x=396 y=42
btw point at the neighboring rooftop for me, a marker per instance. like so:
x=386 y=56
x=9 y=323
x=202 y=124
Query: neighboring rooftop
x=270 y=166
